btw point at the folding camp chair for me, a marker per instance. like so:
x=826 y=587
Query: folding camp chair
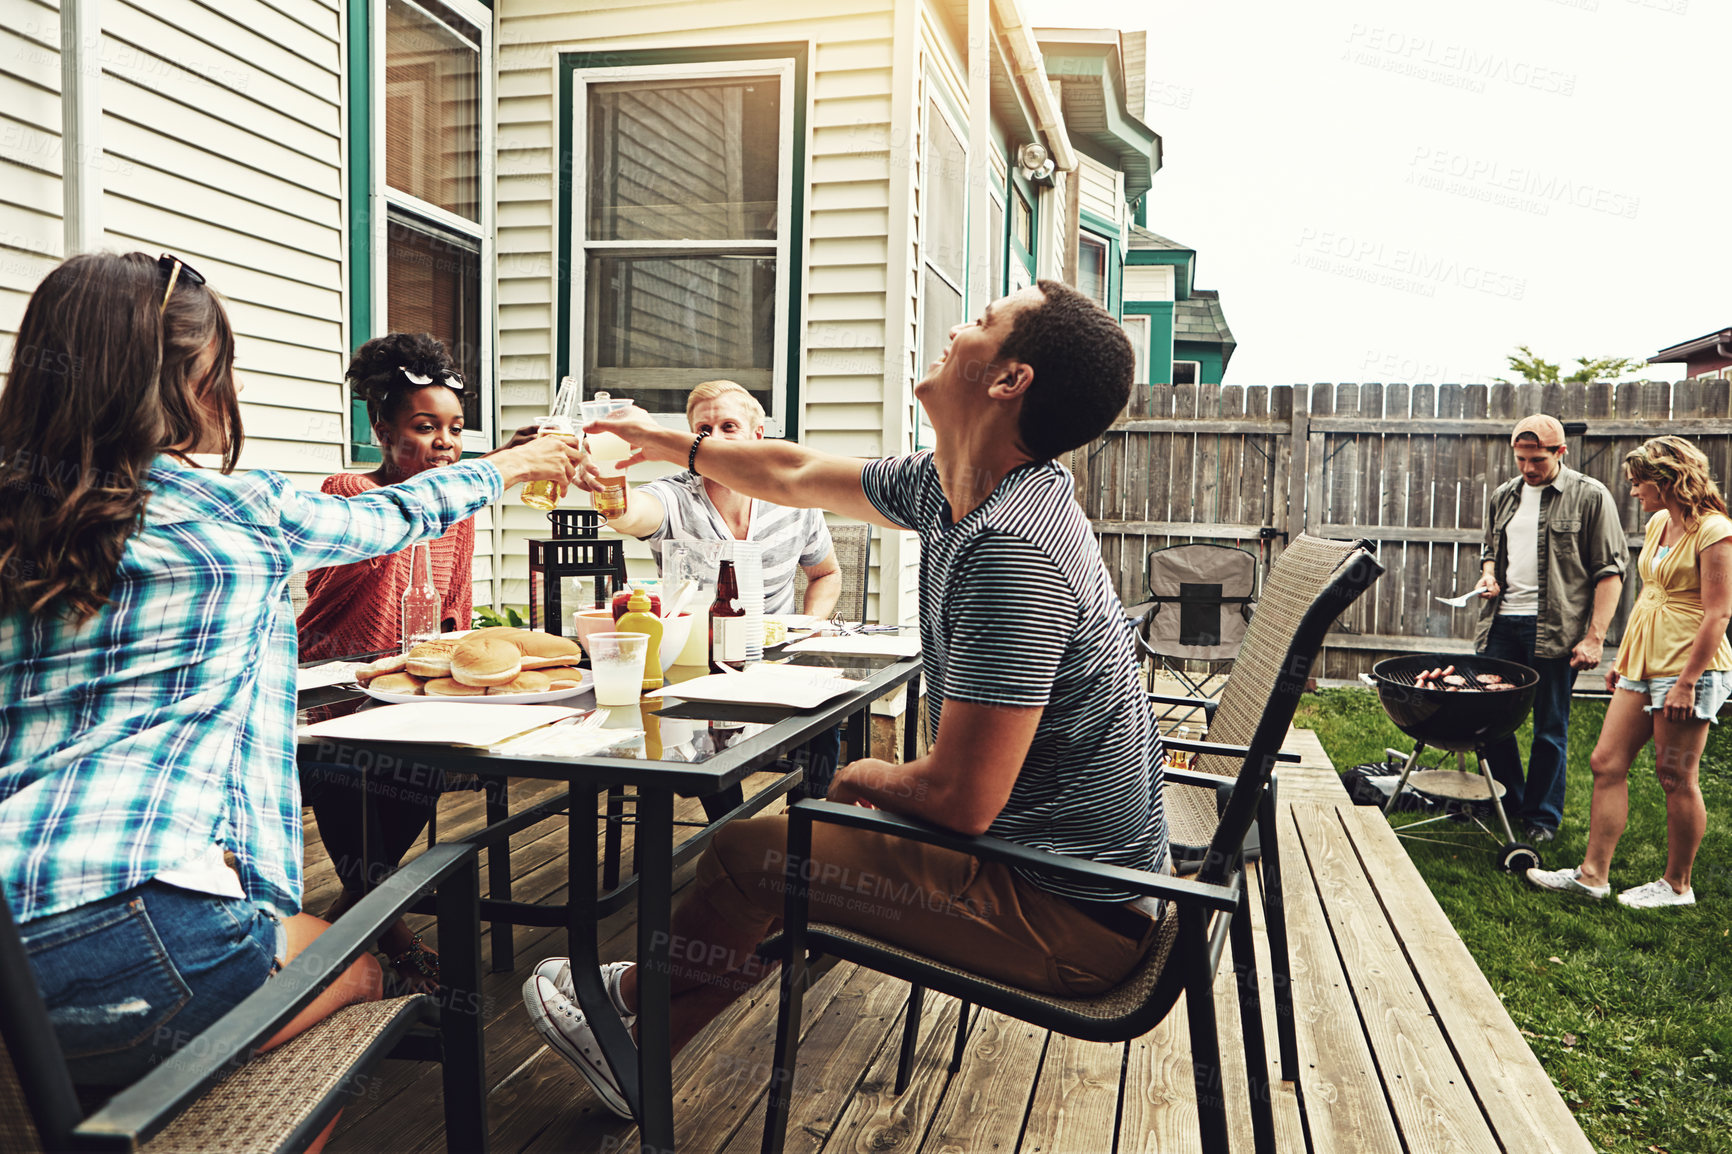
x=1201 y=598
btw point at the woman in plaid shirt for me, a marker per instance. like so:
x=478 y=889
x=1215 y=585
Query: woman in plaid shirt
x=147 y=654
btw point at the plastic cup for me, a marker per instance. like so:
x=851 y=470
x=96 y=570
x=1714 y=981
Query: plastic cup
x=617 y=660
x=606 y=451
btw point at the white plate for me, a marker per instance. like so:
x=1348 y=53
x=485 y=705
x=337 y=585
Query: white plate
x=490 y=698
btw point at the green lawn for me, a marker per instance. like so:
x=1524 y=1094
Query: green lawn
x=1630 y=1011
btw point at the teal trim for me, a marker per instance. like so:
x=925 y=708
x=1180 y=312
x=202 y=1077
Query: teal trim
x=1160 y=314
x=360 y=178
x=1100 y=225
x=1184 y=261
x=798 y=51
x=1114 y=264
x=1210 y=368
x=1141 y=211
x=1020 y=184
x=1125 y=136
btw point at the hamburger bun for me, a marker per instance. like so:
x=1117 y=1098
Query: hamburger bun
x=485 y=662
x=448 y=687
x=529 y=681
x=396 y=683
x=507 y=632
x=431 y=658
x=536 y=645
x=366 y=673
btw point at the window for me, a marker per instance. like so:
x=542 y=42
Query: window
x=1022 y=222
x=943 y=242
x=1186 y=372
x=995 y=268
x=682 y=231
x=1091 y=269
x=424 y=226
x=1137 y=329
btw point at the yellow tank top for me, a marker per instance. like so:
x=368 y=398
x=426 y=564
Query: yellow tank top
x=1668 y=612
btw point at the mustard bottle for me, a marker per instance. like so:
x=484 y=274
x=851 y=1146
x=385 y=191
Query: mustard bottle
x=639 y=619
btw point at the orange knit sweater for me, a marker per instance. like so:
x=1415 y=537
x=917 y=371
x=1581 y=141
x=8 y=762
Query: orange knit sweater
x=358 y=608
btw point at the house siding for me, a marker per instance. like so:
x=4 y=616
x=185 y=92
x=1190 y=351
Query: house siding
x=1150 y=282
x=839 y=374
x=1098 y=191
x=221 y=137
x=223 y=140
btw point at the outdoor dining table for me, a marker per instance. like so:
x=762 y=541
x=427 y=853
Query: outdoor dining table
x=740 y=740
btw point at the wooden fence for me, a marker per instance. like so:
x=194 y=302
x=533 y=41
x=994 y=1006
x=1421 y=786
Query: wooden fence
x=1407 y=466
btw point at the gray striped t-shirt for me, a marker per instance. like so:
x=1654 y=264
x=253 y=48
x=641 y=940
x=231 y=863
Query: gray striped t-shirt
x=789 y=538
x=1016 y=609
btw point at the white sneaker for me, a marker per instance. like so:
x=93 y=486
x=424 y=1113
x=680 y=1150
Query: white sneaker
x=558 y=1020
x=1568 y=882
x=558 y=971
x=1656 y=894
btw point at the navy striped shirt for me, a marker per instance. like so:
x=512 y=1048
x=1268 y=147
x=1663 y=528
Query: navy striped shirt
x=1016 y=609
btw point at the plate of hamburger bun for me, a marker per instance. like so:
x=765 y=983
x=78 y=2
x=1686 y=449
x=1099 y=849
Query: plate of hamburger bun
x=501 y=666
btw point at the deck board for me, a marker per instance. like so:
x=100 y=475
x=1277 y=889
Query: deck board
x=1402 y=1043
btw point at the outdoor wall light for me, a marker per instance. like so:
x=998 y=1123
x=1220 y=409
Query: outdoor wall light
x=1034 y=161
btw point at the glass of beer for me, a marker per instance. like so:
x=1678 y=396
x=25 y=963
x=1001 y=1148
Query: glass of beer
x=544 y=495
x=606 y=451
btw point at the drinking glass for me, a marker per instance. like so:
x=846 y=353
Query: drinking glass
x=617 y=660
x=606 y=451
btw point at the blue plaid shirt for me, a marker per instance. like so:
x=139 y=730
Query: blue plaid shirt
x=166 y=724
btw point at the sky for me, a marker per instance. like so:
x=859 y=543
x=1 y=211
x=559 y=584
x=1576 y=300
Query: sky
x=1401 y=191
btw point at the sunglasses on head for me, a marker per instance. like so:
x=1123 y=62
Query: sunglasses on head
x=175 y=268
x=449 y=378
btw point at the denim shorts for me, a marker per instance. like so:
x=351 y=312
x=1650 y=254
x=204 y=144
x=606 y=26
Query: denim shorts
x=130 y=979
x=1712 y=690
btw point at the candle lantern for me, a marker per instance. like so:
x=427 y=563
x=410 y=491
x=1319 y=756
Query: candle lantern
x=558 y=565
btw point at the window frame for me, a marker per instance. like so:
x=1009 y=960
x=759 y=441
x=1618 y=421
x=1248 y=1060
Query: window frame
x=370 y=220
x=575 y=247
x=936 y=96
x=1196 y=371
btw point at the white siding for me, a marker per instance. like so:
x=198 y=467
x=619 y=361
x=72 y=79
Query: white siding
x=222 y=142
x=1149 y=282
x=852 y=157
x=1099 y=193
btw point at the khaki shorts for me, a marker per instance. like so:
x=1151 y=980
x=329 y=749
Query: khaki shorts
x=978 y=916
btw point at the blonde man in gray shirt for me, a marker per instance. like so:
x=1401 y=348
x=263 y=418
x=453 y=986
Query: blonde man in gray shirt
x=1552 y=570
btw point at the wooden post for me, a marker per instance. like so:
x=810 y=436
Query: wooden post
x=1296 y=459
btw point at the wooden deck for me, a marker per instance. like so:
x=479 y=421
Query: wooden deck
x=1403 y=1045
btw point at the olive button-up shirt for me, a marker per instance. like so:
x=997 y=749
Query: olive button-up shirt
x=1581 y=543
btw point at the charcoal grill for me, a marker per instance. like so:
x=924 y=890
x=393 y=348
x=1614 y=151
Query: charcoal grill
x=1463 y=721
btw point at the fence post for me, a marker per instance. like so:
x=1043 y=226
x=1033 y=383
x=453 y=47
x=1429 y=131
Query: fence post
x=1299 y=467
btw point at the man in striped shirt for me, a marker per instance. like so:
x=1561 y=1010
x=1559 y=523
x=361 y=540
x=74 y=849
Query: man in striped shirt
x=1042 y=734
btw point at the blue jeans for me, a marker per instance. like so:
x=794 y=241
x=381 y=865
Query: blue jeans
x=130 y=979
x=1539 y=800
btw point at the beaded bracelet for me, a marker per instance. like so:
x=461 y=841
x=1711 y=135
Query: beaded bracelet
x=692 y=457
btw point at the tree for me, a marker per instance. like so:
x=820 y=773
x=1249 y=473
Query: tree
x=1535 y=369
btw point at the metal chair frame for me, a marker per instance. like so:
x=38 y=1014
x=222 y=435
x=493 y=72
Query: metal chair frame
x=31 y=1058
x=1206 y=911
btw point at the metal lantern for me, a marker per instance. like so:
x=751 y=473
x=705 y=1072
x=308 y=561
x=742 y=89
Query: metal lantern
x=558 y=563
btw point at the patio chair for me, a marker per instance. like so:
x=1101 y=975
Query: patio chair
x=1302 y=569
x=1318 y=583
x=1201 y=598
x=853 y=542
x=210 y=1096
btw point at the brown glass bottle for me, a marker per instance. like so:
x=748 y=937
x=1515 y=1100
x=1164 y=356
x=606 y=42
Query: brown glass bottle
x=727 y=622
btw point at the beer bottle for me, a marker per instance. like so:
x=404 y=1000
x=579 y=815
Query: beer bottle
x=727 y=622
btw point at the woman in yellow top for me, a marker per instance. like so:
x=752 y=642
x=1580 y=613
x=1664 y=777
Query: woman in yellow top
x=1674 y=671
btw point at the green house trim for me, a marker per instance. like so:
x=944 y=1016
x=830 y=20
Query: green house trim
x=1160 y=314
x=1025 y=187
x=360 y=177
x=572 y=62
